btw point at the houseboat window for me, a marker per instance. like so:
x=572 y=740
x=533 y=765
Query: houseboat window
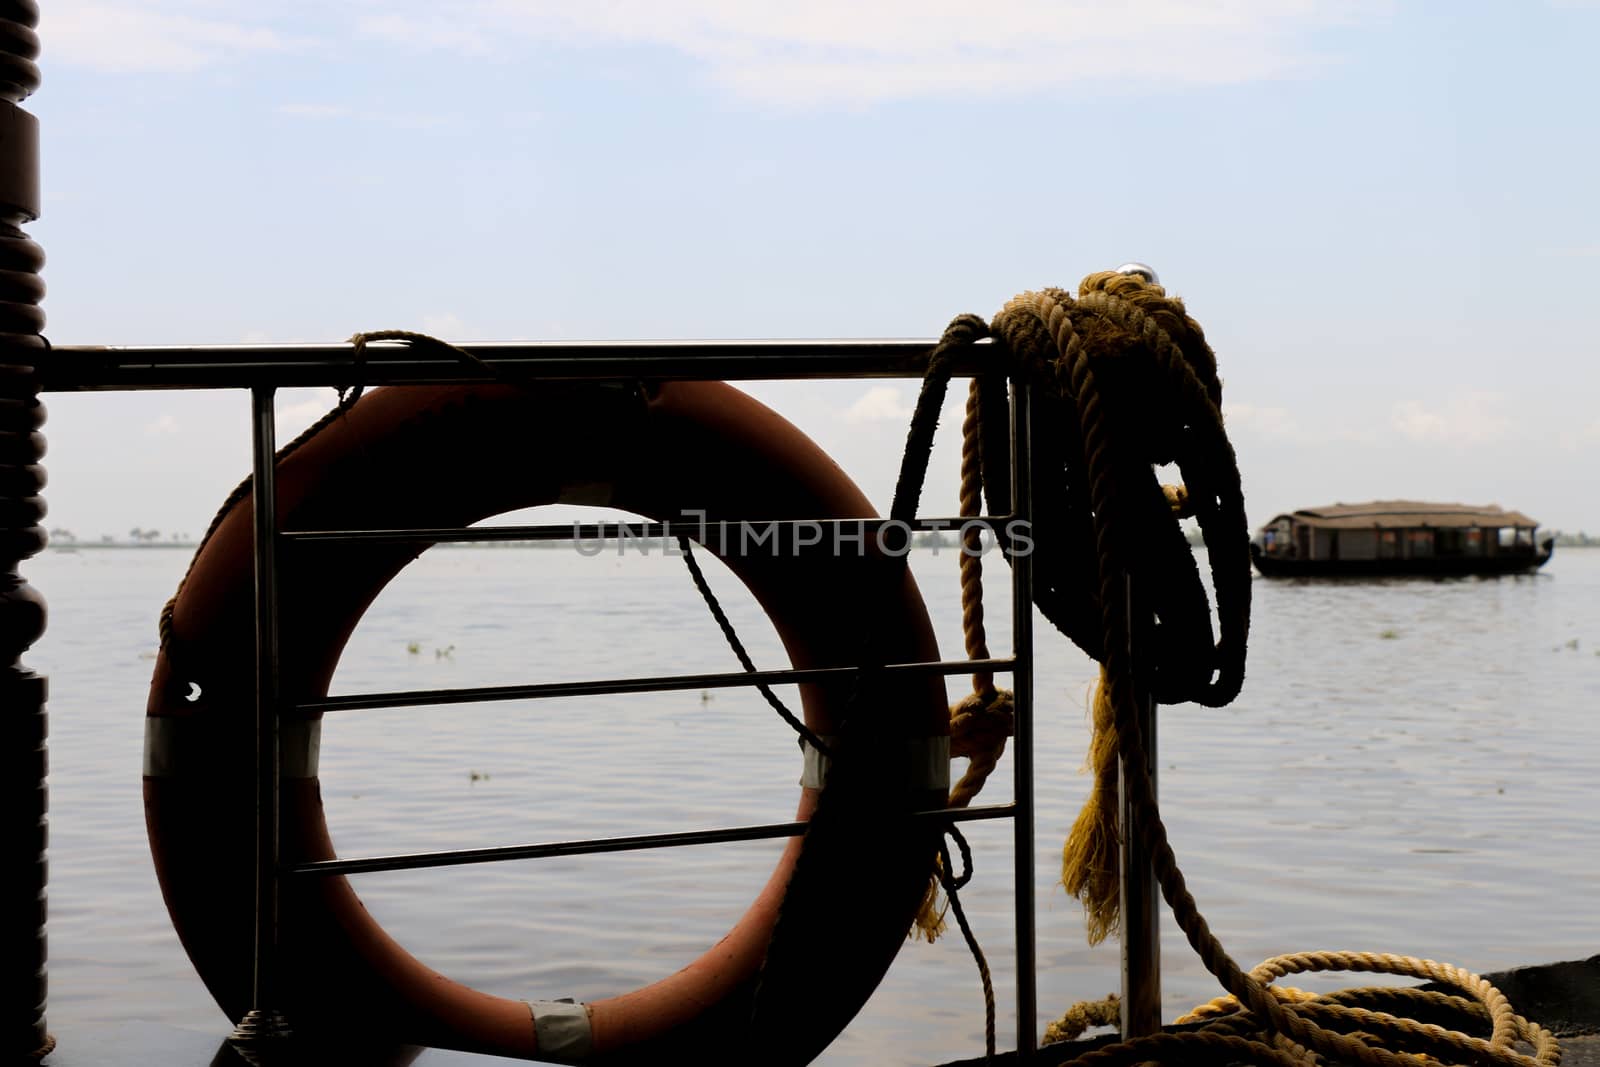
x=1277 y=539
x=1516 y=536
x=1451 y=542
x=1389 y=545
x=1358 y=544
x=1474 y=542
x=1419 y=543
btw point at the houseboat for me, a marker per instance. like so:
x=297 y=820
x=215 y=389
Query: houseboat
x=1387 y=537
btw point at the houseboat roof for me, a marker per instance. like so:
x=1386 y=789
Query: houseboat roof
x=1405 y=514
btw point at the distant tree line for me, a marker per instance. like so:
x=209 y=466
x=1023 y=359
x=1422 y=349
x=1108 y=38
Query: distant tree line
x=137 y=536
x=1563 y=539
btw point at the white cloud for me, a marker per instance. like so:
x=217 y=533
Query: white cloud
x=821 y=51
x=467 y=35
x=163 y=426
x=881 y=403
x=142 y=37
x=1461 y=419
x=1271 y=423
x=314 y=111
x=295 y=415
x=1262 y=421
x=318 y=112
x=830 y=51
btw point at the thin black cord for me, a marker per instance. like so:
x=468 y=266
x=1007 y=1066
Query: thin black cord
x=808 y=735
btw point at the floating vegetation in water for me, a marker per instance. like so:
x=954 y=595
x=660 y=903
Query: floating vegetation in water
x=474 y=776
x=447 y=652
x=414 y=647
x=1389 y=635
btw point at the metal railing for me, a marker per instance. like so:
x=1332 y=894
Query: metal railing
x=262 y=369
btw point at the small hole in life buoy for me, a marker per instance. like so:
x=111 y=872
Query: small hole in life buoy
x=194 y=692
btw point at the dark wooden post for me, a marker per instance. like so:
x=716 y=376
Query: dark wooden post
x=22 y=693
x=1139 y=896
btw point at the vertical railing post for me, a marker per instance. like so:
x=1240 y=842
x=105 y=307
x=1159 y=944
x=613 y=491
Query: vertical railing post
x=1022 y=730
x=264 y=1026
x=1139 y=895
x=23 y=762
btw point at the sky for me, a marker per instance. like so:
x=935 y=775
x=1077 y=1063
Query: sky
x=1382 y=213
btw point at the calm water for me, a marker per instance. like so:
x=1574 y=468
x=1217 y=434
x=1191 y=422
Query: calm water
x=1409 y=769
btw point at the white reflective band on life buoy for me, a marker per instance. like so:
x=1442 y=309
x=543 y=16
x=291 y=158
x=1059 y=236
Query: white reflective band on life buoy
x=177 y=745
x=924 y=766
x=563 y=1029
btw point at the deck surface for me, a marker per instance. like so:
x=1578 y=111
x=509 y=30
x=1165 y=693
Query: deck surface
x=147 y=1044
x=143 y=1044
x=1575 y=1052
x=1562 y=996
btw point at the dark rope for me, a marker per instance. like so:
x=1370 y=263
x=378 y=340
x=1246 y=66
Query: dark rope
x=808 y=735
x=962 y=333
x=953 y=882
x=412 y=339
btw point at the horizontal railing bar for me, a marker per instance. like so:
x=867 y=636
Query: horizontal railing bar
x=704 y=532
x=461 y=857
x=90 y=367
x=610 y=687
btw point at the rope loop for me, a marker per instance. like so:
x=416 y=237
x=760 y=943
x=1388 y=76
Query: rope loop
x=1082 y=1016
x=422 y=342
x=980 y=725
x=953 y=883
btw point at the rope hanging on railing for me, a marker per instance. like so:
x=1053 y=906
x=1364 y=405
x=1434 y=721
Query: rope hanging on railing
x=980 y=723
x=1125 y=383
x=1124 y=372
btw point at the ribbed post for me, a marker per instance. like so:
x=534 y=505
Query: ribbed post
x=22 y=693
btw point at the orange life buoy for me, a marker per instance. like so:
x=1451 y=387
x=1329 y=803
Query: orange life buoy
x=431 y=457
